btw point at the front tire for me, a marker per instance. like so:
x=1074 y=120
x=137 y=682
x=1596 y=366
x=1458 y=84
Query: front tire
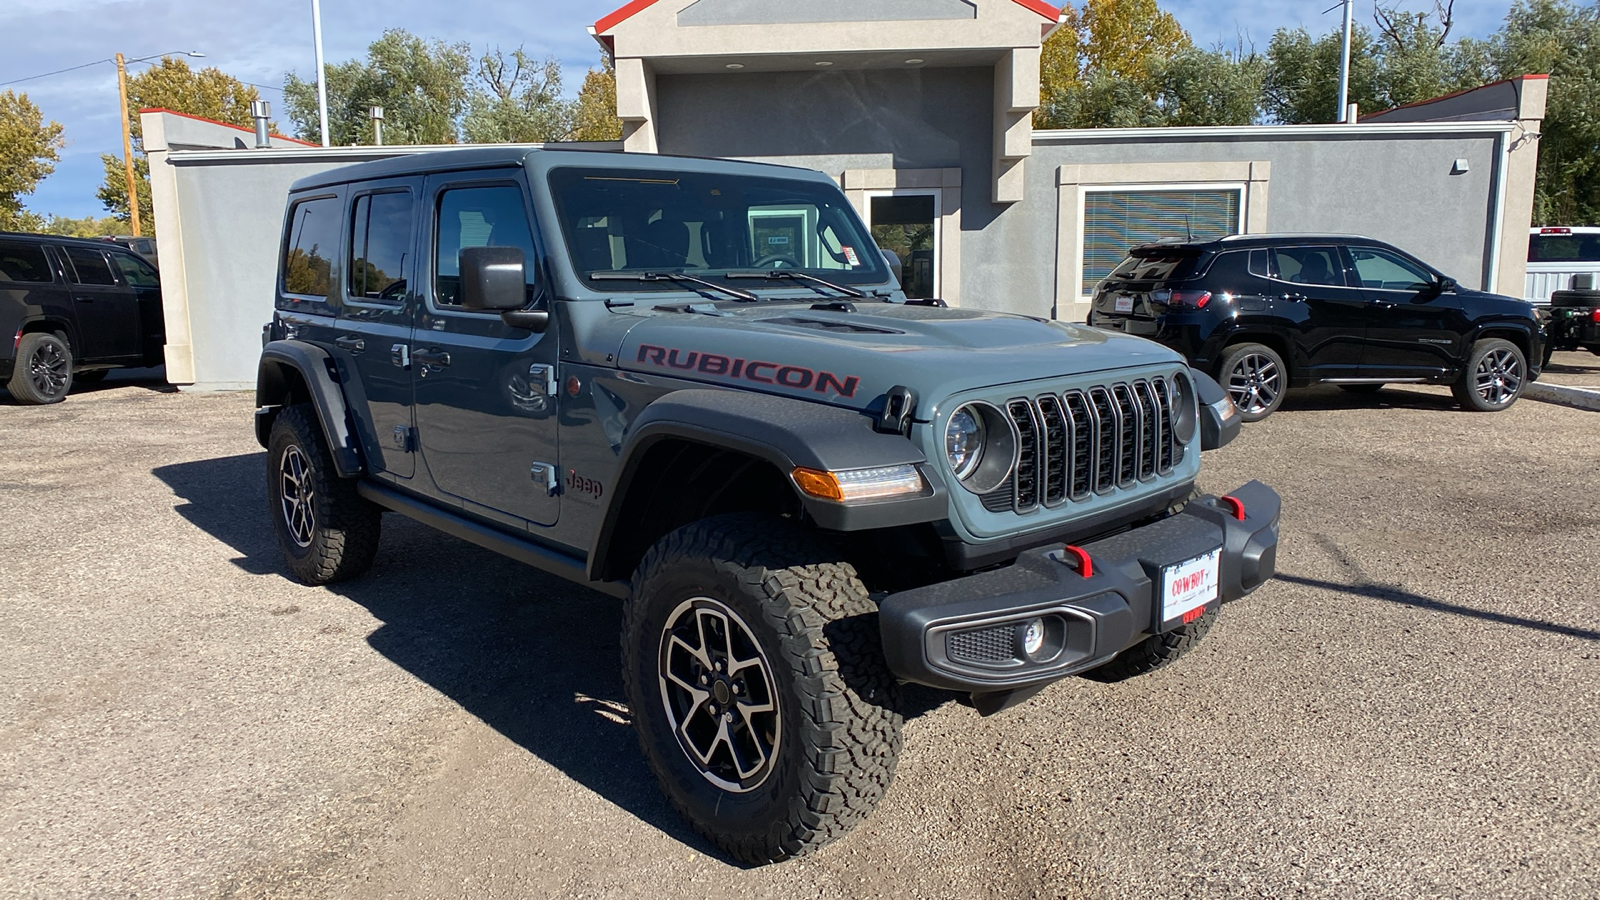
x=1495 y=374
x=43 y=372
x=1155 y=652
x=753 y=668
x=1255 y=378
x=326 y=531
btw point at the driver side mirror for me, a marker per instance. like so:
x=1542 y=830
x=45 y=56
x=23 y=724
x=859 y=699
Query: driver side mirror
x=495 y=278
x=1446 y=283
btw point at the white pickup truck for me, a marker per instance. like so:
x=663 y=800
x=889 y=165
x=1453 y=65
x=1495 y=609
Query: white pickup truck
x=1555 y=254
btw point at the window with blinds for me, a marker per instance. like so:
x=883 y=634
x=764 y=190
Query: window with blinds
x=1116 y=220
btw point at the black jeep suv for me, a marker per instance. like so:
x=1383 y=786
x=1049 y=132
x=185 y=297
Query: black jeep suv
x=1264 y=313
x=70 y=310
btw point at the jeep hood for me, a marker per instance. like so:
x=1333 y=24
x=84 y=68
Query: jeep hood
x=851 y=358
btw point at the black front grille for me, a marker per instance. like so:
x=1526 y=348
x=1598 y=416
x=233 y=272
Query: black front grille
x=986 y=645
x=1089 y=441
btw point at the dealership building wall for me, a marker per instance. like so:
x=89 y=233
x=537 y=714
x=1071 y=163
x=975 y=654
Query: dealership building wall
x=928 y=101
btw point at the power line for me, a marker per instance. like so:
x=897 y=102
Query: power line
x=56 y=72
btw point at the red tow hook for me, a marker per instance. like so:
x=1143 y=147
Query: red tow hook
x=1237 y=506
x=1085 y=565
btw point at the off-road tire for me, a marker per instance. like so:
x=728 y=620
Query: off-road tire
x=838 y=720
x=1367 y=389
x=1155 y=652
x=1487 y=357
x=338 y=538
x=43 y=370
x=1255 y=377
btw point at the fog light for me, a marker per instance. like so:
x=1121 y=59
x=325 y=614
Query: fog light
x=1030 y=635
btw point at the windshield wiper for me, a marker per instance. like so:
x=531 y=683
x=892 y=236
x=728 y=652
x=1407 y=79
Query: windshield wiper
x=678 y=277
x=776 y=274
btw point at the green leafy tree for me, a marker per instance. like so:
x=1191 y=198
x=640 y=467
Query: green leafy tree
x=421 y=85
x=594 y=114
x=1210 y=87
x=1302 y=78
x=516 y=100
x=1097 y=68
x=88 y=226
x=209 y=93
x=29 y=149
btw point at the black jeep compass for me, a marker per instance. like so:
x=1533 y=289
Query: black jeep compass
x=1264 y=313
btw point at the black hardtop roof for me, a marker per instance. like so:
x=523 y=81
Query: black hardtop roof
x=96 y=242
x=517 y=154
x=1252 y=241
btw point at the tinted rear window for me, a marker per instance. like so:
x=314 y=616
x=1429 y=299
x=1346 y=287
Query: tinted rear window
x=313 y=240
x=90 y=266
x=23 y=262
x=1157 y=264
x=1564 y=248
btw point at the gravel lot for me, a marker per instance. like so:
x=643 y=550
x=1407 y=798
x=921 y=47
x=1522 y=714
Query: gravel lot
x=1411 y=710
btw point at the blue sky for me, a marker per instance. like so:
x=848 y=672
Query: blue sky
x=259 y=42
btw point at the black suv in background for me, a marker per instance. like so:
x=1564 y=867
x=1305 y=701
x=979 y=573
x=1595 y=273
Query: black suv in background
x=72 y=309
x=1264 y=313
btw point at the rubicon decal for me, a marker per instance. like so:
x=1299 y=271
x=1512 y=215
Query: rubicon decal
x=797 y=378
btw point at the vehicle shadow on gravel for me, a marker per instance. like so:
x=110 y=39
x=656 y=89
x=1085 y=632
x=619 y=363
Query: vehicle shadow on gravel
x=1407 y=598
x=529 y=654
x=1329 y=397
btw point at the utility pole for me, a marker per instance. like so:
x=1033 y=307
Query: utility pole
x=127 y=144
x=1344 y=61
x=322 y=70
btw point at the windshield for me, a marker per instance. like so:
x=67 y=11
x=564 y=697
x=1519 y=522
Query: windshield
x=707 y=225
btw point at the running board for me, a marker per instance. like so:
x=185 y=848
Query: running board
x=1374 y=381
x=522 y=550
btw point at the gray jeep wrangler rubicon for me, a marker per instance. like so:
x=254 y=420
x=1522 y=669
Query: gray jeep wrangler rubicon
x=696 y=385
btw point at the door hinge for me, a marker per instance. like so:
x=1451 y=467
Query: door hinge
x=545 y=375
x=404 y=438
x=545 y=474
x=400 y=355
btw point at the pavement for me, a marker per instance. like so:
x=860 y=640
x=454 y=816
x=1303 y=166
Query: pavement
x=1410 y=710
x=1573 y=378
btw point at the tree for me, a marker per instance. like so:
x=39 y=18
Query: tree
x=594 y=115
x=1210 y=87
x=1101 y=60
x=209 y=93
x=29 y=149
x=516 y=101
x=421 y=85
x=88 y=226
x=1302 y=78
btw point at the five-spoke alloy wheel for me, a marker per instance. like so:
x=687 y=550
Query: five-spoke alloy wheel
x=1255 y=378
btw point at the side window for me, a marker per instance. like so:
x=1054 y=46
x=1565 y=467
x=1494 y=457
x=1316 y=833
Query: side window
x=137 y=272
x=1307 y=265
x=90 y=266
x=1381 y=269
x=313 y=239
x=25 y=263
x=380 y=241
x=478 y=217
x=1258 y=264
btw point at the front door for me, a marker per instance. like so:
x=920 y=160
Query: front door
x=373 y=332
x=108 y=315
x=907 y=225
x=142 y=279
x=1328 y=316
x=1413 y=330
x=485 y=402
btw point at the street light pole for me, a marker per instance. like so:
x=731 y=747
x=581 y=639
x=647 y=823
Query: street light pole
x=127 y=144
x=322 y=71
x=1344 y=62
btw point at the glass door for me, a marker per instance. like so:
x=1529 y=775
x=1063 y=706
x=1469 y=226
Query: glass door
x=907 y=225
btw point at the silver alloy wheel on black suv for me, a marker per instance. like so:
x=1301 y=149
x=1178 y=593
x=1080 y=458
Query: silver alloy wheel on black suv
x=1494 y=376
x=1254 y=377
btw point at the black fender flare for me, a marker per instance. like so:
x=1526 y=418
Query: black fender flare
x=320 y=374
x=787 y=433
x=1215 y=431
x=1530 y=331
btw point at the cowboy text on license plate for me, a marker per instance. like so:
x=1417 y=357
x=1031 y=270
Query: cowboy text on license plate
x=1189 y=585
x=1124 y=304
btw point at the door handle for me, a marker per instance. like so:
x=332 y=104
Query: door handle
x=432 y=357
x=1382 y=304
x=1293 y=298
x=351 y=343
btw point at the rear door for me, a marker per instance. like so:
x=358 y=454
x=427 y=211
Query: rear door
x=1413 y=330
x=485 y=402
x=312 y=267
x=108 y=312
x=1323 y=314
x=373 y=331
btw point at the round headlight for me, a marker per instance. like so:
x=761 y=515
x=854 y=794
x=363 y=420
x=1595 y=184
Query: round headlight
x=1185 y=408
x=963 y=441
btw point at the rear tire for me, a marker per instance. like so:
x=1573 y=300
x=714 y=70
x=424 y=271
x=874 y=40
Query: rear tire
x=756 y=679
x=1493 y=378
x=43 y=370
x=326 y=530
x=1255 y=378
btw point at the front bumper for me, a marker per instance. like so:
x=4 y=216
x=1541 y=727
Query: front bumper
x=961 y=634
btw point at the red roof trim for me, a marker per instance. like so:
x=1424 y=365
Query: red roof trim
x=1053 y=13
x=173 y=112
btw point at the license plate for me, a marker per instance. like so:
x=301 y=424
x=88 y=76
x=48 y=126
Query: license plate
x=1124 y=304
x=1190 y=585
